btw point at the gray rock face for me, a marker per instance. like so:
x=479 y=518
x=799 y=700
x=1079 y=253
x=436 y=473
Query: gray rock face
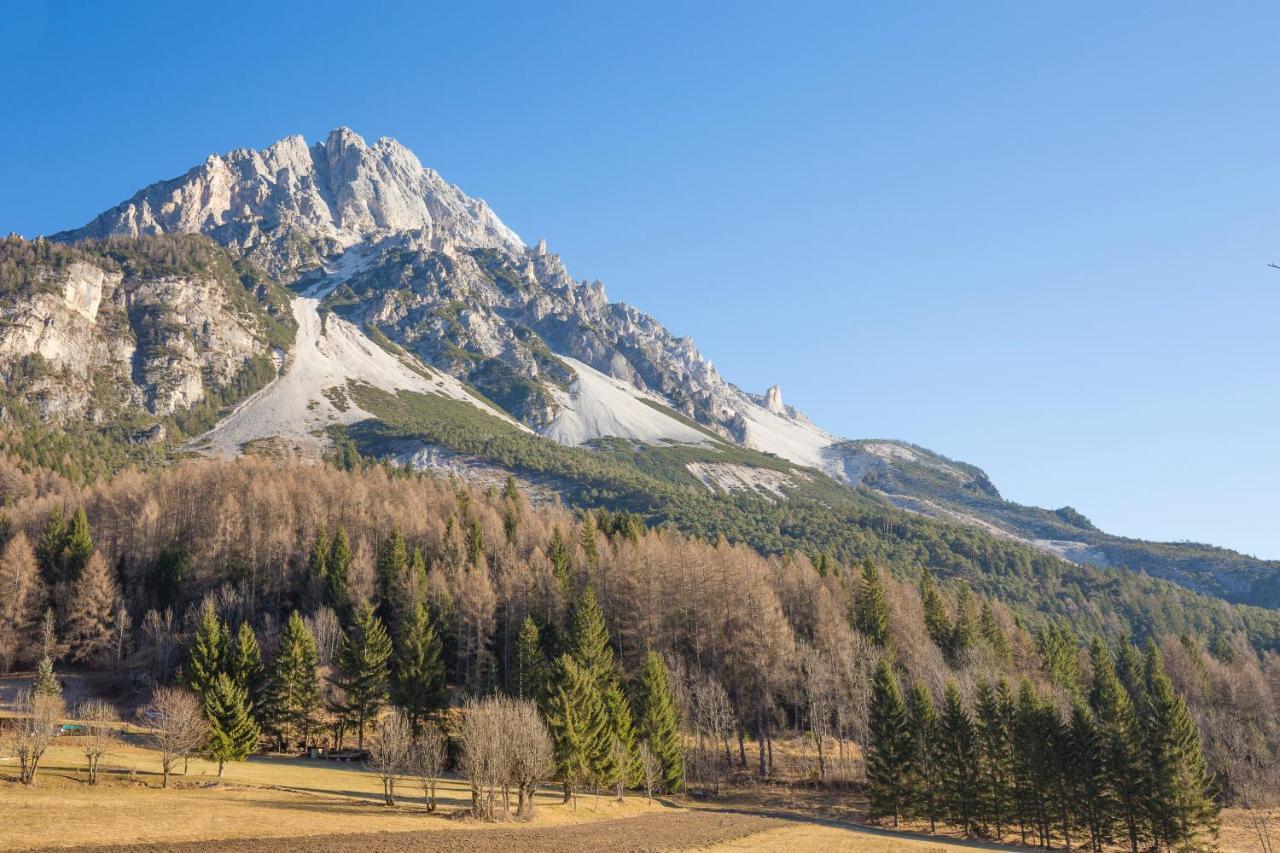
x=290 y=203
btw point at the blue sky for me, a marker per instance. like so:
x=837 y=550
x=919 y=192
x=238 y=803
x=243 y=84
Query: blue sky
x=1028 y=236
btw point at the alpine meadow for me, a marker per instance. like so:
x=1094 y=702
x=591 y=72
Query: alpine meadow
x=336 y=515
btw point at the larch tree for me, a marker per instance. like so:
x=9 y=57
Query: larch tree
x=233 y=734
x=659 y=722
x=891 y=750
x=22 y=596
x=91 y=610
x=362 y=668
x=417 y=677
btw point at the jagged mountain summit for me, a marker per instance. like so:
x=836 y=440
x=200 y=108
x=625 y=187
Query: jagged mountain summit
x=307 y=297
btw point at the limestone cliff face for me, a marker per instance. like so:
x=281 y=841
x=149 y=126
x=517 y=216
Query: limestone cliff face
x=83 y=336
x=292 y=203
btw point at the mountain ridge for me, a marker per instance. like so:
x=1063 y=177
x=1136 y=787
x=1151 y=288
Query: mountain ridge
x=397 y=254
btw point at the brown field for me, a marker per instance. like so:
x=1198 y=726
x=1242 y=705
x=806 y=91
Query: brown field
x=278 y=804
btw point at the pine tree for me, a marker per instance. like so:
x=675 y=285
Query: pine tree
x=46 y=681
x=994 y=711
x=892 y=748
x=209 y=656
x=295 y=686
x=51 y=547
x=922 y=723
x=958 y=768
x=233 y=734
x=1121 y=744
x=659 y=722
x=935 y=612
x=337 y=587
x=529 y=675
x=579 y=726
x=873 y=611
x=78 y=547
x=1179 y=789
x=362 y=666
x=91 y=610
x=417 y=679
x=246 y=668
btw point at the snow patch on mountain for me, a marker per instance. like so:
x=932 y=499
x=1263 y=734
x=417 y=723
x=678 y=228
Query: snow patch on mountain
x=598 y=405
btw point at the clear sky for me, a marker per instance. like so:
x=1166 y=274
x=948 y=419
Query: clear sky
x=1030 y=236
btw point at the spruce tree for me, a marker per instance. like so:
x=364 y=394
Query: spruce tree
x=46 y=681
x=51 y=546
x=993 y=633
x=622 y=727
x=964 y=633
x=1092 y=794
x=922 y=724
x=362 y=668
x=246 y=668
x=993 y=711
x=587 y=539
x=475 y=543
x=579 y=726
x=78 y=547
x=959 y=760
x=392 y=562
x=1179 y=789
x=417 y=679
x=891 y=752
x=295 y=686
x=588 y=639
x=209 y=655
x=873 y=611
x=559 y=557
x=935 y=612
x=659 y=722
x=233 y=734
x=337 y=587
x=318 y=561
x=529 y=674
x=1123 y=760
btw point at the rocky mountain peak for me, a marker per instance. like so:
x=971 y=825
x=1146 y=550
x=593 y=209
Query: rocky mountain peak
x=773 y=401
x=330 y=195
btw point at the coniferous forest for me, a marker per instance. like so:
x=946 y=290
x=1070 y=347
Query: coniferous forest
x=299 y=604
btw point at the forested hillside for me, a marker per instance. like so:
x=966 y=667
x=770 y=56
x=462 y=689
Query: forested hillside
x=480 y=591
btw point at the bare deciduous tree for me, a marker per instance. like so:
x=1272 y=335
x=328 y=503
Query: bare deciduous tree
x=178 y=726
x=101 y=733
x=391 y=752
x=327 y=630
x=650 y=770
x=39 y=716
x=505 y=744
x=429 y=754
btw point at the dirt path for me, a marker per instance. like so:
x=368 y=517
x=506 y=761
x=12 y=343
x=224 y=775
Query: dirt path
x=666 y=831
